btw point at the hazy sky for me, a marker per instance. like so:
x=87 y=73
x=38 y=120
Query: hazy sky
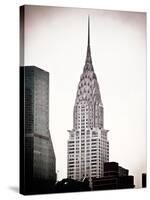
x=56 y=41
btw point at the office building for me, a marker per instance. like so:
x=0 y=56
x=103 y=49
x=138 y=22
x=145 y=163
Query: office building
x=88 y=146
x=115 y=177
x=37 y=157
x=144 y=180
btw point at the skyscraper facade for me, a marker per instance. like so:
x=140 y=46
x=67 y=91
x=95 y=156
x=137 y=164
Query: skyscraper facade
x=38 y=169
x=88 y=147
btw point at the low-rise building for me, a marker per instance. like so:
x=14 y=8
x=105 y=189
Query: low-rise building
x=115 y=177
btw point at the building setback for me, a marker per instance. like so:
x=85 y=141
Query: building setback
x=88 y=147
x=37 y=158
x=115 y=177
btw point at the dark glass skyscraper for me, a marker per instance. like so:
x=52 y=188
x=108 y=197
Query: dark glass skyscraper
x=38 y=172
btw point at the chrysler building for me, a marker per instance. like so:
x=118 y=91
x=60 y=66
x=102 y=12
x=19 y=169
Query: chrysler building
x=88 y=147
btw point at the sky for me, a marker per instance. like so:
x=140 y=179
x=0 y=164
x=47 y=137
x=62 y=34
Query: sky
x=56 y=41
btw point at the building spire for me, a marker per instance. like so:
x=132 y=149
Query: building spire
x=88 y=61
x=88 y=31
